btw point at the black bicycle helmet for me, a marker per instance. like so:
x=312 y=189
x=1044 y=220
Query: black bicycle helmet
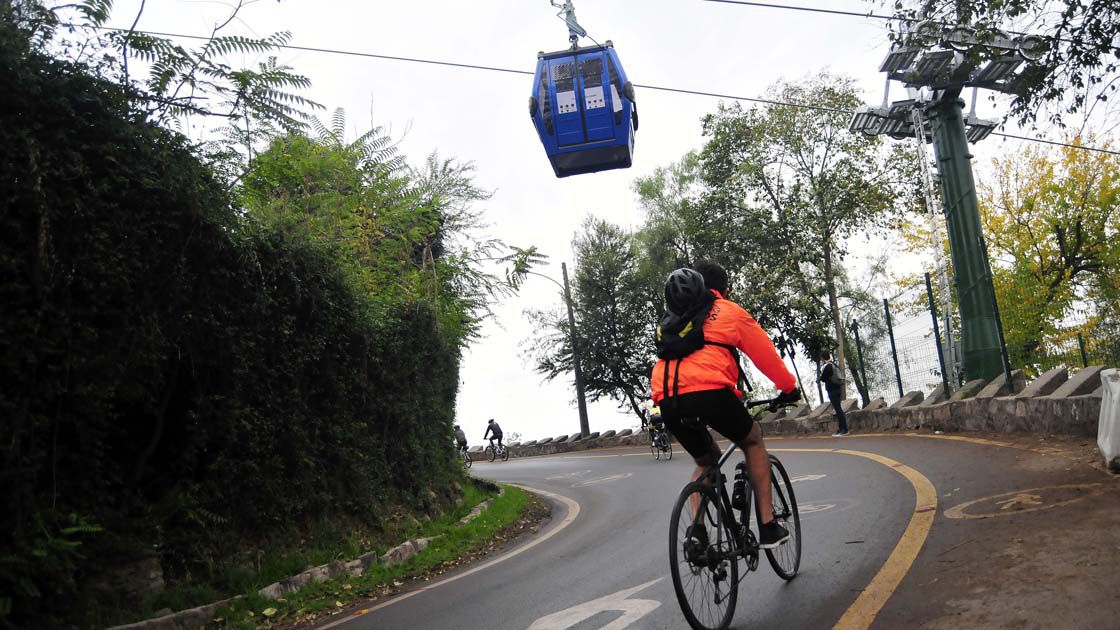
x=683 y=288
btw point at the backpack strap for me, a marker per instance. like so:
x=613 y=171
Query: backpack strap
x=735 y=357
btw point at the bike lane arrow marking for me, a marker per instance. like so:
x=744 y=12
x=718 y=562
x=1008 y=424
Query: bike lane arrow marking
x=631 y=609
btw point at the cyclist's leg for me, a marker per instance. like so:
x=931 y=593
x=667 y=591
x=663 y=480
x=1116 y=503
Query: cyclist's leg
x=728 y=416
x=693 y=435
x=703 y=464
x=758 y=465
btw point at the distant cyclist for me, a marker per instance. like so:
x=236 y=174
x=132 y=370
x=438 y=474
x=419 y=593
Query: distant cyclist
x=493 y=432
x=461 y=438
x=701 y=390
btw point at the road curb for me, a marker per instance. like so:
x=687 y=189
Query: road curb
x=202 y=615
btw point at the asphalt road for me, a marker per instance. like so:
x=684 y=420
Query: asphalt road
x=614 y=552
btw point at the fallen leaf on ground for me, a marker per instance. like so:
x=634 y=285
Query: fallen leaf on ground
x=268 y=612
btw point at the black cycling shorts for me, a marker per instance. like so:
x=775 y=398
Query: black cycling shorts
x=719 y=409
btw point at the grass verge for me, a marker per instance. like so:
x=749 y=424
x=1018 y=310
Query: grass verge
x=456 y=545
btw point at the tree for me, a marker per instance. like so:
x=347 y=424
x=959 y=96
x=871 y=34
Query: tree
x=1078 y=68
x=1051 y=218
x=181 y=82
x=799 y=173
x=405 y=234
x=614 y=319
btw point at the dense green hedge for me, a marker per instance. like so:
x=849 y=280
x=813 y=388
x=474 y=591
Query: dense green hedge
x=173 y=377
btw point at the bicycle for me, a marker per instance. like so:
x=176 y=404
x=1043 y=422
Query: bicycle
x=706 y=580
x=493 y=452
x=659 y=442
x=466 y=455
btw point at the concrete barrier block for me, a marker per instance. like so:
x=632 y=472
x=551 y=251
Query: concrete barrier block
x=969 y=389
x=544 y=441
x=608 y=434
x=909 y=400
x=801 y=411
x=475 y=449
x=1084 y=381
x=557 y=440
x=529 y=443
x=818 y=410
x=625 y=432
x=999 y=387
x=1045 y=384
x=937 y=395
x=875 y=404
x=849 y=405
x=593 y=435
x=772 y=416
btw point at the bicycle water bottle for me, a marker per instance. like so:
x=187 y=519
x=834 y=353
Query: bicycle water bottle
x=739 y=490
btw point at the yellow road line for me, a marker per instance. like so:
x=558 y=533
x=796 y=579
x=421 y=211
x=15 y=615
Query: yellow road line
x=573 y=512
x=863 y=611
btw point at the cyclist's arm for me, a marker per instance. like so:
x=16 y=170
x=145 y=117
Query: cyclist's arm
x=756 y=344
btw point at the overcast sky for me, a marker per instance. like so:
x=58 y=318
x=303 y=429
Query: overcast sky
x=482 y=117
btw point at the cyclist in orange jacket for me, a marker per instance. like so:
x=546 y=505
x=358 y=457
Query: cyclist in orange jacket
x=704 y=385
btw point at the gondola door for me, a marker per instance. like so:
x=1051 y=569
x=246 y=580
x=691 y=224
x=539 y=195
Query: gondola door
x=569 y=119
x=596 y=98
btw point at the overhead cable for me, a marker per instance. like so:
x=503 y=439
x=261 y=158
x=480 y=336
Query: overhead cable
x=437 y=62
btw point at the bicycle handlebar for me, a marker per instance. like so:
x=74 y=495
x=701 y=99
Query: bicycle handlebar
x=772 y=403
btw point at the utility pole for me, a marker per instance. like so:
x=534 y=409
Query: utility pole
x=584 y=427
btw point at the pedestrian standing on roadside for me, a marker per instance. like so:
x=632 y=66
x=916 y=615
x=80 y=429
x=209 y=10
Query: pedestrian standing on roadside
x=834 y=384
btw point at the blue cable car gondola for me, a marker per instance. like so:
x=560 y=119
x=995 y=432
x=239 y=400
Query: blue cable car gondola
x=583 y=106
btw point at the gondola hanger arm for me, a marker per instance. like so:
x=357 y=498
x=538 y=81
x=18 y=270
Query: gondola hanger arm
x=568 y=14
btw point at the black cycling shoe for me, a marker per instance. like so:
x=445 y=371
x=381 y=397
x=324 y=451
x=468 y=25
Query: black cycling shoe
x=772 y=535
x=696 y=544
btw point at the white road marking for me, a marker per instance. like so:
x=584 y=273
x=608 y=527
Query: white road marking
x=631 y=609
x=807 y=478
x=573 y=512
x=811 y=508
x=567 y=475
x=592 y=482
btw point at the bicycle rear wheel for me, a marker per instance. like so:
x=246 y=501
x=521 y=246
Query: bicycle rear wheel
x=668 y=447
x=490 y=454
x=785 y=559
x=467 y=459
x=505 y=453
x=706 y=580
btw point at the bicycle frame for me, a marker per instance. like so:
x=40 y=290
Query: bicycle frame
x=744 y=546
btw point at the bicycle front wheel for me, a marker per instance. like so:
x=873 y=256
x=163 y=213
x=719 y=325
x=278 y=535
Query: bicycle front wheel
x=785 y=559
x=467 y=459
x=490 y=454
x=705 y=578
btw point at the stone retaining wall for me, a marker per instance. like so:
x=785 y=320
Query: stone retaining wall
x=1056 y=402
x=553 y=447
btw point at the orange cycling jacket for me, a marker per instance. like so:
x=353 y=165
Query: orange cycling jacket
x=712 y=367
